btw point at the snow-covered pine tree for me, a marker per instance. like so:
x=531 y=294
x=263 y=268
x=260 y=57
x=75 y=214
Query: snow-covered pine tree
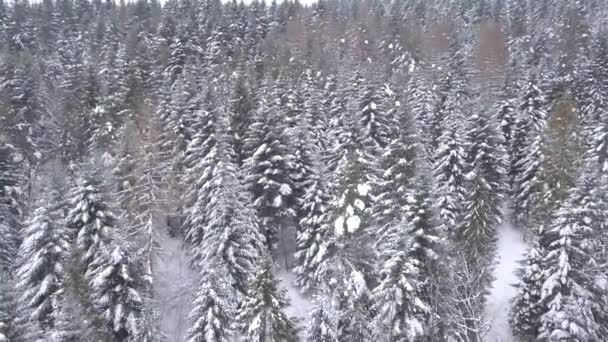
x=240 y=106
x=485 y=193
x=115 y=280
x=261 y=314
x=399 y=162
x=374 y=113
x=561 y=150
x=400 y=310
x=570 y=296
x=7 y=317
x=198 y=173
x=229 y=228
x=214 y=311
x=313 y=235
x=40 y=275
x=321 y=325
x=527 y=155
x=305 y=163
x=527 y=307
x=90 y=217
x=268 y=173
x=449 y=173
x=422 y=102
x=10 y=205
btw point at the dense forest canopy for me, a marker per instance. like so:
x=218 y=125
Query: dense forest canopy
x=167 y=169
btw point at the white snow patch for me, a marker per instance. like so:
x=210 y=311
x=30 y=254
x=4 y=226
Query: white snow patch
x=510 y=251
x=359 y=204
x=363 y=189
x=339 y=226
x=353 y=223
x=174 y=286
x=300 y=306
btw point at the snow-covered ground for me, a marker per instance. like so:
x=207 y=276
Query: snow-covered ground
x=511 y=249
x=300 y=306
x=174 y=285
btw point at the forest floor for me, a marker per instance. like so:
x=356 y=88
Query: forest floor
x=173 y=285
x=510 y=251
x=299 y=305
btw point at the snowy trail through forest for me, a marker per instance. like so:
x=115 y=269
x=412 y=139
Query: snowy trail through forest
x=510 y=251
x=173 y=286
x=299 y=305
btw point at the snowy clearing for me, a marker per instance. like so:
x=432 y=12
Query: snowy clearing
x=510 y=251
x=173 y=285
x=299 y=305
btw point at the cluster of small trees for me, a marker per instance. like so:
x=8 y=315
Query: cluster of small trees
x=371 y=147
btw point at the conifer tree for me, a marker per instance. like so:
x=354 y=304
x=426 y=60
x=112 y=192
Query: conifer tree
x=261 y=315
x=268 y=174
x=527 y=150
x=527 y=306
x=7 y=317
x=115 y=281
x=449 y=173
x=10 y=204
x=89 y=217
x=214 y=309
x=321 y=323
x=229 y=228
x=314 y=233
x=399 y=162
x=569 y=296
x=400 y=310
x=40 y=274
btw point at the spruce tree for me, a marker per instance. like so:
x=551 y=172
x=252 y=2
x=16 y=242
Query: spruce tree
x=400 y=310
x=527 y=306
x=399 y=162
x=527 y=150
x=89 y=218
x=321 y=322
x=10 y=205
x=214 y=311
x=268 y=176
x=314 y=233
x=115 y=280
x=449 y=174
x=40 y=275
x=571 y=310
x=229 y=228
x=261 y=314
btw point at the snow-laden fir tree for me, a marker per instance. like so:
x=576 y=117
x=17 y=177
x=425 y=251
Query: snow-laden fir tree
x=261 y=314
x=485 y=191
x=198 y=174
x=400 y=310
x=10 y=205
x=374 y=112
x=527 y=154
x=90 y=218
x=314 y=233
x=570 y=296
x=421 y=102
x=229 y=228
x=268 y=170
x=561 y=150
x=7 y=317
x=214 y=311
x=42 y=255
x=321 y=326
x=398 y=162
x=449 y=173
x=527 y=307
x=115 y=280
